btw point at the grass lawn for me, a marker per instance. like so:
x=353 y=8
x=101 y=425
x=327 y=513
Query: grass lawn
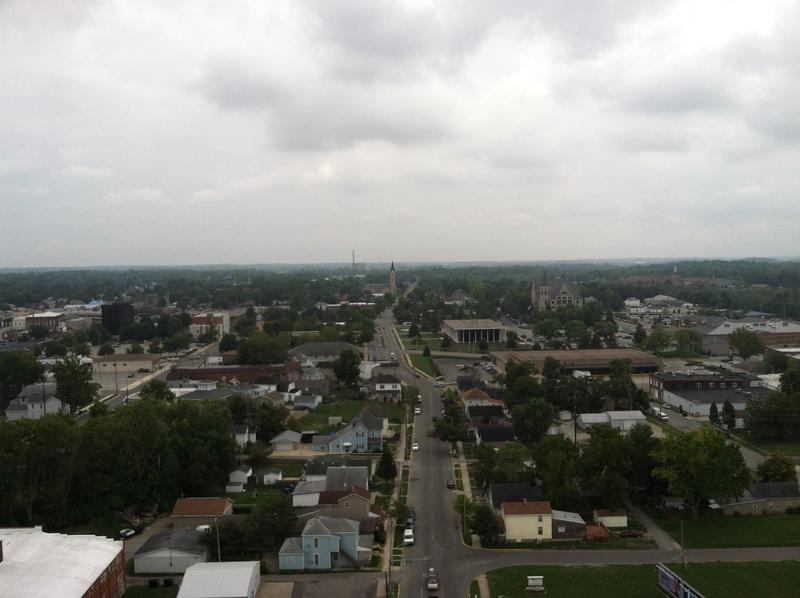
x=145 y=592
x=291 y=469
x=787 y=447
x=714 y=580
x=254 y=496
x=422 y=363
x=317 y=420
x=612 y=543
x=474 y=589
x=108 y=526
x=734 y=532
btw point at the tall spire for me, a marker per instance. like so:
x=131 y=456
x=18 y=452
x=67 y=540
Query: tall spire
x=392 y=268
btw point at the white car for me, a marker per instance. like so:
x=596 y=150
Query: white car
x=415 y=446
x=417 y=411
x=408 y=537
x=126 y=533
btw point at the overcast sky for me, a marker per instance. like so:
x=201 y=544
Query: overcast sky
x=190 y=132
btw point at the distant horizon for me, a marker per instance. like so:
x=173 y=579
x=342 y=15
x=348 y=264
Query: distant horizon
x=615 y=261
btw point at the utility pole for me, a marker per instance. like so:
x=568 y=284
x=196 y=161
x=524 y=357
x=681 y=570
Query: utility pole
x=216 y=527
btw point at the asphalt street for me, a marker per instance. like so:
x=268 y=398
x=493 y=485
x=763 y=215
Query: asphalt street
x=437 y=536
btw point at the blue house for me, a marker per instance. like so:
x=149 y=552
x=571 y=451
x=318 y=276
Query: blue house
x=363 y=435
x=326 y=543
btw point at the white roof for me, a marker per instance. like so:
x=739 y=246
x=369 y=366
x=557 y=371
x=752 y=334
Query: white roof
x=36 y=563
x=219 y=580
x=593 y=418
x=568 y=516
x=612 y=415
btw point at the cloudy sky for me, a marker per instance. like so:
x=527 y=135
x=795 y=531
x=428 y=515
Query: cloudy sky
x=188 y=132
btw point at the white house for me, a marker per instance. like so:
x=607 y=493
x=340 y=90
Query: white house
x=306 y=494
x=619 y=420
x=234 y=579
x=286 y=441
x=242 y=434
x=193 y=384
x=171 y=552
x=269 y=477
x=234 y=488
x=240 y=474
x=617 y=518
x=35 y=401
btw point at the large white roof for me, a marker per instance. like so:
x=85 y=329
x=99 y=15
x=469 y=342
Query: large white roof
x=37 y=564
x=218 y=580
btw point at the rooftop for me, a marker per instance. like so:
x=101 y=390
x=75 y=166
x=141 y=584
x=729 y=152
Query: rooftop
x=535 y=507
x=471 y=324
x=211 y=580
x=495 y=433
x=568 y=516
x=182 y=539
x=720 y=395
x=36 y=563
x=202 y=506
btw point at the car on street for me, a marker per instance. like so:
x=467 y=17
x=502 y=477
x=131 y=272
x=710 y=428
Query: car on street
x=409 y=522
x=439 y=384
x=408 y=537
x=451 y=484
x=415 y=446
x=417 y=411
x=660 y=415
x=126 y=533
x=433 y=579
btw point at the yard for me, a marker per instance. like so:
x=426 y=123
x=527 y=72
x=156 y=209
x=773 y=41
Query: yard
x=317 y=420
x=714 y=580
x=254 y=495
x=717 y=531
x=787 y=447
x=423 y=363
x=108 y=526
x=290 y=469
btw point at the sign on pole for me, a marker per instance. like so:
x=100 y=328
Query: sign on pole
x=673 y=585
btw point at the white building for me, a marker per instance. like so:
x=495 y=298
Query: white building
x=35 y=401
x=619 y=420
x=171 y=552
x=36 y=564
x=235 y=579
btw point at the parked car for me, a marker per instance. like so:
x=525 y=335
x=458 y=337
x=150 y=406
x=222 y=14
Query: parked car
x=433 y=579
x=417 y=411
x=451 y=484
x=126 y=533
x=408 y=537
x=415 y=446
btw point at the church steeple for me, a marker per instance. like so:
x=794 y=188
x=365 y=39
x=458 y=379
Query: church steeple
x=392 y=280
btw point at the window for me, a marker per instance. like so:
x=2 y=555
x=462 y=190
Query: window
x=722 y=385
x=711 y=385
x=316 y=542
x=541 y=531
x=540 y=518
x=316 y=559
x=699 y=386
x=561 y=529
x=735 y=384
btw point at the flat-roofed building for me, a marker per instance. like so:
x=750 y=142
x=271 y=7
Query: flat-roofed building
x=474 y=331
x=596 y=361
x=35 y=564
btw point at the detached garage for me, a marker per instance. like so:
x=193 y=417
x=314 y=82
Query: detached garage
x=170 y=552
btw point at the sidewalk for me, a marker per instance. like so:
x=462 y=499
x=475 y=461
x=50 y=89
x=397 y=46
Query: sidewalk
x=662 y=538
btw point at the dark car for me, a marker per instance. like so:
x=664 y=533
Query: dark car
x=632 y=533
x=451 y=484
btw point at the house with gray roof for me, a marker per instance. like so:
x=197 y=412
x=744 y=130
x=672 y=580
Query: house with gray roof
x=35 y=401
x=326 y=543
x=363 y=435
x=346 y=477
x=171 y=552
x=286 y=441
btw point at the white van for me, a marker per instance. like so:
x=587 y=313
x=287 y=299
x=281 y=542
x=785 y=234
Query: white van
x=408 y=537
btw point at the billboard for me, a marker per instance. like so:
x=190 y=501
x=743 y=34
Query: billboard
x=672 y=585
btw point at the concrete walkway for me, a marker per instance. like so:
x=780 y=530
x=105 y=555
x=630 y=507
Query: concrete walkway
x=483 y=586
x=658 y=535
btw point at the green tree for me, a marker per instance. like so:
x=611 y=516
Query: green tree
x=177 y=342
x=511 y=462
x=606 y=465
x=54 y=349
x=728 y=415
x=270 y=523
x=446 y=343
x=155 y=347
x=74 y=383
x=689 y=342
x=641 y=445
x=700 y=465
x=713 y=414
x=246 y=324
x=413 y=330
x=157 y=390
x=269 y=420
x=485 y=466
x=548 y=328
x=484 y=523
x=790 y=379
x=105 y=349
x=97 y=334
x=576 y=332
x=136 y=349
x=98 y=409
x=346 y=368
x=516 y=370
x=658 y=340
x=38 y=332
x=228 y=342
x=260 y=348
x=551 y=369
x=556 y=461
x=777 y=468
x=511 y=340
x=387 y=469
x=17 y=369
x=745 y=342
x=426 y=351
x=639 y=335
x=239 y=407
x=82 y=349
x=532 y=419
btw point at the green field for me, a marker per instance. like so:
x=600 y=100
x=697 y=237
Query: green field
x=254 y=495
x=787 y=447
x=734 y=532
x=290 y=469
x=714 y=580
x=422 y=363
x=317 y=420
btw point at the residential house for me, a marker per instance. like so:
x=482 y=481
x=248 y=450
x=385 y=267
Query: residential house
x=364 y=434
x=306 y=493
x=619 y=420
x=527 y=521
x=287 y=440
x=317 y=468
x=353 y=503
x=200 y=510
x=321 y=351
x=308 y=402
x=313 y=381
x=249 y=390
x=611 y=518
x=339 y=478
x=568 y=526
x=486 y=415
x=35 y=401
x=495 y=436
x=243 y=434
x=326 y=543
x=171 y=552
x=512 y=492
x=387 y=388
x=237 y=478
x=269 y=476
x=34 y=563
x=232 y=579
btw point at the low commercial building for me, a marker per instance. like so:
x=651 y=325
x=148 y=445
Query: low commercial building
x=772 y=333
x=35 y=564
x=234 y=579
x=474 y=331
x=596 y=361
x=619 y=420
x=47 y=319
